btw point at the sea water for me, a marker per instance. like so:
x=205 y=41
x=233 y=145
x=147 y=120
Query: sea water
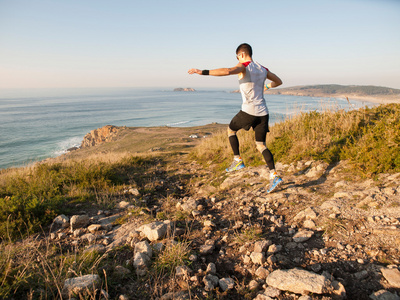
x=39 y=123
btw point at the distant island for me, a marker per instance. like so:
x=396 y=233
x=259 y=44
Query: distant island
x=355 y=92
x=184 y=90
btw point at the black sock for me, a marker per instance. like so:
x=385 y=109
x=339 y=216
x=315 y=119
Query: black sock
x=233 y=140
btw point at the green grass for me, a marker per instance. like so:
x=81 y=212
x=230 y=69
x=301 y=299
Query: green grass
x=33 y=197
x=368 y=138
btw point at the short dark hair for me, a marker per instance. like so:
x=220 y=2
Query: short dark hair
x=244 y=48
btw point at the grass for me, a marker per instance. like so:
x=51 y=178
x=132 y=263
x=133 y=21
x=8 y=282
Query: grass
x=359 y=136
x=32 y=197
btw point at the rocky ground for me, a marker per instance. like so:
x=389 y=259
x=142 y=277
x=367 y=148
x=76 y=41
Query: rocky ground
x=324 y=234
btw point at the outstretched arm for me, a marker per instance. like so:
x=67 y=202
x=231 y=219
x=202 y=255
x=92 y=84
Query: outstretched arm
x=275 y=81
x=239 y=68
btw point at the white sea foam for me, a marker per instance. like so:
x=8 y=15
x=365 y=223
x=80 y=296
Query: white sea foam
x=63 y=146
x=178 y=123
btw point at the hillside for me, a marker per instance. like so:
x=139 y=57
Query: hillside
x=150 y=214
x=354 y=92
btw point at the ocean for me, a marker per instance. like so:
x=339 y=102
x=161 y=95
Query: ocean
x=40 y=123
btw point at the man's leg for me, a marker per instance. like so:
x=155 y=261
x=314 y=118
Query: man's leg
x=237 y=163
x=234 y=141
x=260 y=135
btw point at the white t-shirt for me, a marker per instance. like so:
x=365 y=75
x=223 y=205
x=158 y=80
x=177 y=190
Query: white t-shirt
x=252 y=89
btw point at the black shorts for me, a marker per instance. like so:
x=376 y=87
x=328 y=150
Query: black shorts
x=245 y=121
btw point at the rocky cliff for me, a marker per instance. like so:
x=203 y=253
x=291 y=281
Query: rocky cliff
x=100 y=135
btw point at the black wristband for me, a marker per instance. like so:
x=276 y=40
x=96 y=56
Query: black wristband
x=205 y=72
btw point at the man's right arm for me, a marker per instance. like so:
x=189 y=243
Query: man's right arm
x=239 y=68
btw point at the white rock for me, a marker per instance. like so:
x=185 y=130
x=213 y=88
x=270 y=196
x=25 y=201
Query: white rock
x=143 y=247
x=78 y=221
x=62 y=221
x=257 y=258
x=302 y=236
x=299 y=281
x=79 y=285
x=392 y=276
x=94 y=227
x=154 y=231
x=226 y=284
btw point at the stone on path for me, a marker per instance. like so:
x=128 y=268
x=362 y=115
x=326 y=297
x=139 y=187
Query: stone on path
x=392 y=276
x=299 y=281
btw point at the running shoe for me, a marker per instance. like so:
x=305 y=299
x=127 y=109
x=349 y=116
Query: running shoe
x=236 y=165
x=274 y=183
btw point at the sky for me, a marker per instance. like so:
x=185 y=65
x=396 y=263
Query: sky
x=153 y=43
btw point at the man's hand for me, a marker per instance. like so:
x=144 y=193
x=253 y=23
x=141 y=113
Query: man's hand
x=193 y=71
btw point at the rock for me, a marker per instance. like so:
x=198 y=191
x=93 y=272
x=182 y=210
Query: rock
x=78 y=232
x=89 y=237
x=183 y=271
x=305 y=297
x=62 y=221
x=210 y=282
x=154 y=231
x=81 y=286
x=184 y=90
x=262 y=273
x=302 y=236
x=253 y=285
x=141 y=261
x=123 y=204
x=274 y=249
x=226 y=284
x=189 y=205
x=272 y=292
x=211 y=269
x=78 y=221
x=308 y=214
x=257 y=258
x=262 y=297
x=206 y=249
x=261 y=246
x=100 y=135
x=134 y=192
x=338 y=291
x=144 y=247
x=392 y=276
x=182 y=295
x=309 y=224
x=384 y=295
x=299 y=281
x=94 y=227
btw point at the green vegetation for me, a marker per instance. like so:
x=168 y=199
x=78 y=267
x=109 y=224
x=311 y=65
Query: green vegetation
x=31 y=198
x=368 y=138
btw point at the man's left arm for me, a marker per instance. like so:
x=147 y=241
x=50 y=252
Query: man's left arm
x=275 y=81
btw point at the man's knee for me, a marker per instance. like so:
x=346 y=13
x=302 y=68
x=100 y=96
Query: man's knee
x=261 y=146
x=231 y=132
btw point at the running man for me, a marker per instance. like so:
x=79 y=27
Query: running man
x=254 y=112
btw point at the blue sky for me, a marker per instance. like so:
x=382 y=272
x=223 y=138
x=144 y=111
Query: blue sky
x=121 y=43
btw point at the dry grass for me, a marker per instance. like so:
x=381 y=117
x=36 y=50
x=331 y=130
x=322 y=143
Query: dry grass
x=360 y=136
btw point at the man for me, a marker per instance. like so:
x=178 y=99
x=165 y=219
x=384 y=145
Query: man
x=254 y=112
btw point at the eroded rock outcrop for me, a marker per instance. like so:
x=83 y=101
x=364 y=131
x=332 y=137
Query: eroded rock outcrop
x=100 y=135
